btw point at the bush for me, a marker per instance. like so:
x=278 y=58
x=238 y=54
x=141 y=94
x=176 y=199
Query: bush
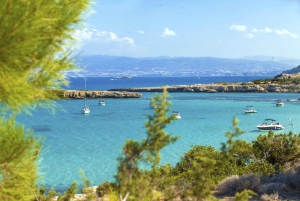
x=104 y=189
x=234 y=184
x=277 y=149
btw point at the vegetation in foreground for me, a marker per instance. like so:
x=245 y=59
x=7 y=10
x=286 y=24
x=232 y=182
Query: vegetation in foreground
x=36 y=38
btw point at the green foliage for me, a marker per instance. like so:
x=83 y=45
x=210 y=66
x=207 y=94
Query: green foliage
x=58 y=93
x=232 y=146
x=186 y=162
x=132 y=182
x=277 y=149
x=105 y=188
x=203 y=166
x=245 y=195
x=261 y=167
x=18 y=161
x=223 y=83
x=36 y=39
x=201 y=185
x=196 y=175
x=43 y=195
x=70 y=192
x=282 y=81
x=86 y=187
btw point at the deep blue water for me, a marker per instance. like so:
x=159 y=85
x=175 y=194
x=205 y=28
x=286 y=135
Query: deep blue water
x=105 y=83
x=93 y=142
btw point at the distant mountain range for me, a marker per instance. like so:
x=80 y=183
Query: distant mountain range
x=114 y=66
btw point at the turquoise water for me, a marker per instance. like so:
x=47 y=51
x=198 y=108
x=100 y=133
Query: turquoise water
x=93 y=142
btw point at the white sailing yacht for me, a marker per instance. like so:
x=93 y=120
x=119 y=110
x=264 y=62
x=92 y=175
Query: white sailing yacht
x=85 y=109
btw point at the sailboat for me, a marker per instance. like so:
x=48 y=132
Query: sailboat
x=85 y=109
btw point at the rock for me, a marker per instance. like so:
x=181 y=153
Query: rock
x=213 y=88
x=100 y=94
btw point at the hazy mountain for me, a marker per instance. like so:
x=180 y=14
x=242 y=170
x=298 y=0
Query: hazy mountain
x=285 y=60
x=178 y=66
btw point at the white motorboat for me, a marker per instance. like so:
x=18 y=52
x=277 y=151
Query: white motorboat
x=279 y=103
x=176 y=114
x=250 y=109
x=270 y=125
x=85 y=109
x=101 y=102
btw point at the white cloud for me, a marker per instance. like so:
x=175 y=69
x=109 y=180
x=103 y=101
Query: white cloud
x=86 y=35
x=265 y=30
x=249 y=35
x=294 y=35
x=238 y=27
x=92 y=41
x=284 y=32
x=141 y=32
x=129 y=40
x=168 y=32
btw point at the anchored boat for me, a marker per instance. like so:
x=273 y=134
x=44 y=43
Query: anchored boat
x=270 y=125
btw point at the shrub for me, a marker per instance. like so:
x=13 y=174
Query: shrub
x=228 y=185
x=277 y=149
x=234 y=184
x=270 y=188
x=104 y=188
x=70 y=192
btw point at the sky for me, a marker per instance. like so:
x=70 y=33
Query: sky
x=192 y=28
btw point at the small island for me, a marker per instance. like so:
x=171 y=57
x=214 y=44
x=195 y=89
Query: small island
x=283 y=83
x=79 y=94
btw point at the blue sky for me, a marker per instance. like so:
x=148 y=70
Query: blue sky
x=192 y=28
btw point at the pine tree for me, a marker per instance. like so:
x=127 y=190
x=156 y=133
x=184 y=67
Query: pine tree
x=135 y=183
x=35 y=44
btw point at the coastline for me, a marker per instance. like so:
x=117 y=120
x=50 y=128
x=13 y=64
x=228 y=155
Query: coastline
x=195 y=88
x=79 y=94
x=248 y=87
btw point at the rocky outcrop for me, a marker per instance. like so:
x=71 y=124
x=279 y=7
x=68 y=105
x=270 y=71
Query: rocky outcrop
x=100 y=94
x=217 y=88
x=288 y=76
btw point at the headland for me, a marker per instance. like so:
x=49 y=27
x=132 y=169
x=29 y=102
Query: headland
x=219 y=88
x=283 y=83
x=79 y=94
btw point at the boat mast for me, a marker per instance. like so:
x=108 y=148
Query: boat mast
x=84 y=91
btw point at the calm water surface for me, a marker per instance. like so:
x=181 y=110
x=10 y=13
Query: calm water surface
x=93 y=142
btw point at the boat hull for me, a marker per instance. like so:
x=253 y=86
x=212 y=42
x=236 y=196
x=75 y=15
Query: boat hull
x=249 y=112
x=269 y=128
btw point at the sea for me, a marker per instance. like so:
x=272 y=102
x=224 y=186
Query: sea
x=93 y=142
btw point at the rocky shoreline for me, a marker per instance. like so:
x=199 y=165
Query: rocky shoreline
x=79 y=94
x=220 y=88
x=195 y=88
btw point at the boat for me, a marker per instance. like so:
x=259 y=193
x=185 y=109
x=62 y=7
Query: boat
x=279 y=103
x=270 y=125
x=250 y=109
x=85 y=109
x=101 y=102
x=176 y=114
x=124 y=76
x=152 y=105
